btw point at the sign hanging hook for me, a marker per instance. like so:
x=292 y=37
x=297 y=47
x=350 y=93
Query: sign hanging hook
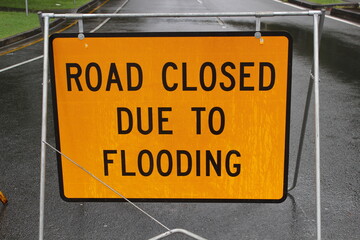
x=81 y=35
x=257 y=29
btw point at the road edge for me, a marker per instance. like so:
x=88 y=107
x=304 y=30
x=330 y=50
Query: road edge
x=349 y=14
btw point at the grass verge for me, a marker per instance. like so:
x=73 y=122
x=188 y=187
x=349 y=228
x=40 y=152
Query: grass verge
x=13 y=23
x=37 y=5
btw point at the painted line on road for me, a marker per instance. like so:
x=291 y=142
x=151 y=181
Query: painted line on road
x=327 y=16
x=22 y=63
x=19 y=48
x=344 y=21
x=291 y=5
x=220 y=22
x=106 y=20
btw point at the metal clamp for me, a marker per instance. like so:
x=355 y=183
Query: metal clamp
x=81 y=35
x=257 y=29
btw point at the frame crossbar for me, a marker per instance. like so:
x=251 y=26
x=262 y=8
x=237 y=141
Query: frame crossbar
x=162 y=15
x=314 y=83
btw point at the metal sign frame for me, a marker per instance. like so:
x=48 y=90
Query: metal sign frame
x=314 y=83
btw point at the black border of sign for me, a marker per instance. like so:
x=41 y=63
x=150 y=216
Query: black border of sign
x=173 y=34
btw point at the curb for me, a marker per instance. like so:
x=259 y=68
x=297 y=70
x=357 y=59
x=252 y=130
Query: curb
x=31 y=33
x=321 y=6
x=346 y=14
x=351 y=14
x=21 y=36
x=306 y=4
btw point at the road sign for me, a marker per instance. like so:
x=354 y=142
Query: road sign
x=173 y=116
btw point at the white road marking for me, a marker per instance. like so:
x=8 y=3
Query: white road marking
x=22 y=63
x=221 y=22
x=106 y=20
x=342 y=20
x=291 y=5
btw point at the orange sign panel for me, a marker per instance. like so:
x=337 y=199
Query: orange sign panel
x=173 y=116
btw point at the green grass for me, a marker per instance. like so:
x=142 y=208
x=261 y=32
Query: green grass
x=36 y=5
x=16 y=22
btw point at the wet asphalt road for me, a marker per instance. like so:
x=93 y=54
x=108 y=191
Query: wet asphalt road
x=20 y=129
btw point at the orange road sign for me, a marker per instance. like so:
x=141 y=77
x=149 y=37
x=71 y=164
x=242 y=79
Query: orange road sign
x=173 y=116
